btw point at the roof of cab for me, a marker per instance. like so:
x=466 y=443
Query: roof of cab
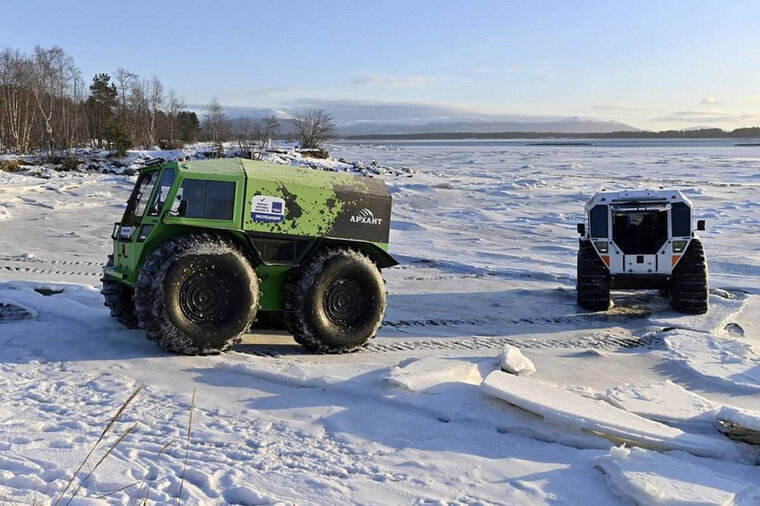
x=637 y=195
x=255 y=169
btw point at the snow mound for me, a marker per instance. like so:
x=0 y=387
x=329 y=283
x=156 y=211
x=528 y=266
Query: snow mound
x=726 y=360
x=664 y=402
x=512 y=360
x=561 y=407
x=427 y=372
x=644 y=477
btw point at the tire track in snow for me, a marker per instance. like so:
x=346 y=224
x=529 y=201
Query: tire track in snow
x=36 y=265
x=459 y=322
x=605 y=341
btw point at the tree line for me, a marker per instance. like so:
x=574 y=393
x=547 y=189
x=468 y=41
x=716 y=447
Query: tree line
x=45 y=104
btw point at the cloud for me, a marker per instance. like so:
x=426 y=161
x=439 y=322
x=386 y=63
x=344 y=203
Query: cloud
x=533 y=71
x=392 y=81
x=622 y=106
x=241 y=96
x=714 y=116
x=709 y=101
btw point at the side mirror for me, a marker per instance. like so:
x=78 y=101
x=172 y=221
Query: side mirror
x=182 y=210
x=701 y=225
x=582 y=228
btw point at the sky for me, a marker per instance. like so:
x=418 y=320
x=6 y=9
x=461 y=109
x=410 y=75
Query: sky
x=652 y=64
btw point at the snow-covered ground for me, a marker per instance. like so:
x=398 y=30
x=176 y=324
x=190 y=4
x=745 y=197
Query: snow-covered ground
x=486 y=237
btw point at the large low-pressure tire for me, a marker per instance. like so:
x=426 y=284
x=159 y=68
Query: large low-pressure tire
x=593 y=281
x=120 y=299
x=196 y=294
x=335 y=302
x=689 y=287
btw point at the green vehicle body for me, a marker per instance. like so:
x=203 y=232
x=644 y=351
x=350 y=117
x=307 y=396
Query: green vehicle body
x=312 y=209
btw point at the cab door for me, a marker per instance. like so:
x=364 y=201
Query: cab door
x=141 y=218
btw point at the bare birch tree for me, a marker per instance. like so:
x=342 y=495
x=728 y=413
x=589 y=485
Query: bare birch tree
x=314 y=128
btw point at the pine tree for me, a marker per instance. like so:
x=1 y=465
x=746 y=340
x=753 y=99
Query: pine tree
x=100 y=107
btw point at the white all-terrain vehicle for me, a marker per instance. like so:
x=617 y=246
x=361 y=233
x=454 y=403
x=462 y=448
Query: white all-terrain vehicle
x=641 y=239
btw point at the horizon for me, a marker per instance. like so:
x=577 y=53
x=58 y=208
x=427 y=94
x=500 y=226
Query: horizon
x=678 y=66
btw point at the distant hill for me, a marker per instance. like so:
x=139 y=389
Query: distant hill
x=709 y=133
x=369 y=118
x=483 y=126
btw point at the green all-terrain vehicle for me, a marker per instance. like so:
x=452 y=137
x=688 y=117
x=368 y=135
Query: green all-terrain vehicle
x=207 y=248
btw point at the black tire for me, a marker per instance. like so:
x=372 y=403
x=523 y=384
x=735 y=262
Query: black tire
x=689 y=286
x=335 y=302
x=120 y=299
x=269 y=320
x=196 y=294
x=593 y=281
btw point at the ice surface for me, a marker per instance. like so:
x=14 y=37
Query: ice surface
x=486 y=237
x=647 y=478
x=665 y=402
x=428 y=372
x=561 y=407
x=741 y=417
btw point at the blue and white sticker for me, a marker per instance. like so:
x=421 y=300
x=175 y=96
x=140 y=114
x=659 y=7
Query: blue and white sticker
x=267 y=209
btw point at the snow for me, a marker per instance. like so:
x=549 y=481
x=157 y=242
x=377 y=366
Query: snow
x=742 y=417
x=665 y=402
x=648 y=478
x=485 y=235
x=739 y=424
x=512 y=360
x=428 y=372
x=567 y=409
x=720 y=359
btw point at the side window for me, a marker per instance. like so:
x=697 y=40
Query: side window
x=211 y=200
x=220 y=200
x=598 y=217
x=167 y=178
x=680 y=215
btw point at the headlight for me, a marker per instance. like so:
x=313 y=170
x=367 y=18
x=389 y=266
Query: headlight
x=602 y=246
x=679 y=246
x=144 y=232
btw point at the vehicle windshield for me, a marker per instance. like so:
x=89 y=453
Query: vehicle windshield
x=138 y=201
x=640 y=233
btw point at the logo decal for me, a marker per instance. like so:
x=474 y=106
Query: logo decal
x=366 y=216
x=267 y=209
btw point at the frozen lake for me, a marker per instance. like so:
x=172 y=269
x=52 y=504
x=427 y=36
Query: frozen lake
x=485 y=232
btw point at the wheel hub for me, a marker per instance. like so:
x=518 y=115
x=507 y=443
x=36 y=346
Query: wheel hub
x=204 y=299
x=343 y=301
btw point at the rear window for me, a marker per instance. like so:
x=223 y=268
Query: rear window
x=211 y=200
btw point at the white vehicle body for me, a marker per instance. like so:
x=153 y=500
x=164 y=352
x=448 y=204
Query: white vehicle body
x=640 y=235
